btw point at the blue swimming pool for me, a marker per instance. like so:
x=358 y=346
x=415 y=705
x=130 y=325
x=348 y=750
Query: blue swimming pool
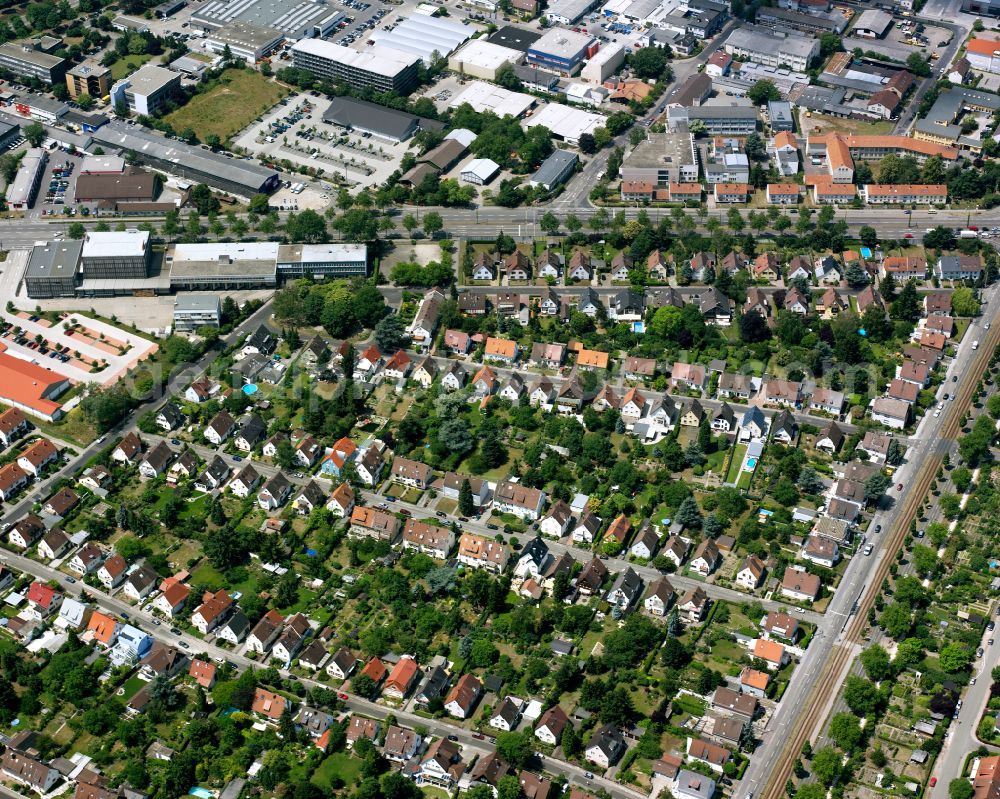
x=250 y=389
x=638 y=327
x=751 y=464
x=201 y=793
x=866 y=252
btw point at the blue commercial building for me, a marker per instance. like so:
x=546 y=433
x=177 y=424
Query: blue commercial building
x=560 y=50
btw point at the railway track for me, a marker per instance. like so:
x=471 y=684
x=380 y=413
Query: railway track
x=828 y=684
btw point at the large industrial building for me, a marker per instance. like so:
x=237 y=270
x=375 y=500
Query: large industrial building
x=378 y=120
x=22 y=190
x=128 y=186
x=26 y=60
x=565 y=122
x=245 y=40
x=770 y=49
x=147 y=89
x=568 y=12
x=943 y=123
x=483 y=96
x=30 y=387
x=561 y=50
x=296 y=19
x=479 y=58
x=425 y=37
x=378 y=67
x=241 y=177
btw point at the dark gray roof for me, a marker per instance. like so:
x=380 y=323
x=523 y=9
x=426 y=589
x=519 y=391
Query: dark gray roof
x=348 y=112
x=515 y=38
x=54 y=259
x=552 y=167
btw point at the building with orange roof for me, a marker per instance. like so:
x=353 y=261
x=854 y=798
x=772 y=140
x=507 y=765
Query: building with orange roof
x=13 y=424
x=637 y=190
x=870 y=148
x=908 y=193
x=678 y=192
x=833 y=193
x=103 y=627
x=500 y=349
x=31 y=388
x=270 y=705
x=12 y=479
x=732 y=192
x=785 y=138
x=986 y=780
x=203 y=673
x=592 y=359
x=173 y=595
x=343 y=451
x=401 y=679
x=375 y=670
x=933 y=340
x=754 y=682
x=36 y=457
x=904 y=267
x=619 y=529
x=771 y=652
x=983 y=54
x=784 y=193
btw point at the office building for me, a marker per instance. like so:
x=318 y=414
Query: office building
x=561 y=50
x=89 y=78
x=194 y=311
x=770 y=49
x=377 y=67
x=147 y=89
x=245 y=40
x=662 y=159
x=942 y=124
x=116 y=254
x=984 y=8
x=21 y=192
x=568 y=12
x=243 y=178
x=26 y=60
x=222 y=266
x=322 y=260
x=719 y=119
x=780 y=115
x=53 y=269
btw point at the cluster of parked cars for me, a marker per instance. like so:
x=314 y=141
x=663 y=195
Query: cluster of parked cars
x=22 y=340
x=58 y=183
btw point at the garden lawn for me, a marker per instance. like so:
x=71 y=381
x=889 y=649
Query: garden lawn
x=240 y=97
x=339 y=764
x=736 y=465
x=124 y=67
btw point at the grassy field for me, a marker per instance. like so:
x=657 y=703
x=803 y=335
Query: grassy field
x=339 y=764
x=240 y=97
x=124 y=67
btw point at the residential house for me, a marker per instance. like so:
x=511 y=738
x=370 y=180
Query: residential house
x=626 y=589
x=428 y=538
x=37 y=456
x=127 y=450
x=751 y=573
x=605 y=747
x=659 y=597
x=706 y=558
x=518 y=499
x=463 y=696
x=220 y=428
x=482 y=553
x=275 y=492
x=693 y=606
x=800 y=585
x=212 y=611
x=551 y=724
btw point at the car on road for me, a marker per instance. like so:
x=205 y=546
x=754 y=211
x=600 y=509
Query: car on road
x=125 y=616
x=991 y=625
x=390 y=499
x=933 y=781
x=185 y=644
x=175 y=441
x=442 y=514
x=972 y=681
x=868 y=550
x=237 y=458
x=899 y=486
x=878 y=529
x=589 y=775
x=342 y=696
x=979 y=652
x=990 y=642
x=954 y=378
x=478 y=736
x=175 y=630
x=452 y=737
x=492 y=527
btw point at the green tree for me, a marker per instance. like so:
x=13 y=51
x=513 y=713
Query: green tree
x=826 y=765
x=77 y=231
x=876 y=662
x=307 y=227
x=517 y=748
x=845 y=730
x=433 y=224
x=763 y=91
x=466 y=506
x=954 y=657
x=34 y=133
x=960 y=788
x=964 y=302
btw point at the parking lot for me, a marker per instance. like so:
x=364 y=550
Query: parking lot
x=294 y=130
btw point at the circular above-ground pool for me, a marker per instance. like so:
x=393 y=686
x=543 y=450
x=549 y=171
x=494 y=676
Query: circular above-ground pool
x=250 y=389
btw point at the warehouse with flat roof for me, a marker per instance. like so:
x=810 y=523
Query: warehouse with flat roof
x=482 y=59
x=555 y=170
x=515 y=38
x=238 y=176
x=247 y=41
x=295 y=19
x=378 y=120
x=131 y=185
x=770 y=49
x=565 y=122
x=22 y=190
x=378 y=67
x=482 y=96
